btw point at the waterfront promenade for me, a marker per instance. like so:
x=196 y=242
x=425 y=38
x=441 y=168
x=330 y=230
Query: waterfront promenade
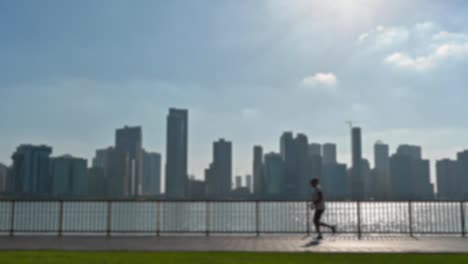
x=237 y=243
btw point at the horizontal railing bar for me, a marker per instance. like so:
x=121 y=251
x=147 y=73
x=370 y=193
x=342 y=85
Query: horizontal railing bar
x=222 y=200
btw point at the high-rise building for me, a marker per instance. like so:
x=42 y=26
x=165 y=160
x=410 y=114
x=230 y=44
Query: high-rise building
x=69 y=176
x=335 y=181
x=257 y=170
x=448 y=180
x=368 y=180
x=410 y=150
x=304 y=167
x=176 y=153
x=129 y=155
x=196 y=189
x=97 y=182
x=315 y=149
x=3 y=178
x=31 y=170
x=410 y=175
x=219 y=182
x=289 y=155
x=151 y=173
x=248 y=182
x=382 y=170
x=274 y=172
x=329 y=153
x=356 y=181
x=102 y=157
x=238 y=182
x=462 y=160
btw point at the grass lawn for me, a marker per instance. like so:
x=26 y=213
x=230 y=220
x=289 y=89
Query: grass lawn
x=52 y=257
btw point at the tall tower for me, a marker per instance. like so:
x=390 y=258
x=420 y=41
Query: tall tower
x=357 y=184
x=176 y=153
x=329 y=153
x=31 y=170
x=257 y=171
x=222 y=164
x=129 y=157
x=382 y=170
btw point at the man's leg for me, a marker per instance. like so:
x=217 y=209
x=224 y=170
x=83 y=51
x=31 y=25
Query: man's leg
x=317 y=215
x=332 y=227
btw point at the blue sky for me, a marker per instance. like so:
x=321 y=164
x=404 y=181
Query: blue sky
x=73 y=71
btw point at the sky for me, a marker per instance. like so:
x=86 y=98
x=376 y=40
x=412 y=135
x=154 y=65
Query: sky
x=71 y=72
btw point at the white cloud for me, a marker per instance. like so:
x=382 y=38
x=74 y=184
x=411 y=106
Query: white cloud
x=250 y=113
x=425 y=27
x=439 y=54
x=324 y=79
x=381 y=36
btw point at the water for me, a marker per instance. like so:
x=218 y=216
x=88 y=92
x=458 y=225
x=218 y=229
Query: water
x=230 y=217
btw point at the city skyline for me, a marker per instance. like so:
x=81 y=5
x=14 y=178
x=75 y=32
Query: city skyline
x=246 y=72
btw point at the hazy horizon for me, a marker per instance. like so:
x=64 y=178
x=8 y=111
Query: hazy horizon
x=73 y=72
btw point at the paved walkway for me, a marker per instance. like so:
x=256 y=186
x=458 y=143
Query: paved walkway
x=277 y=243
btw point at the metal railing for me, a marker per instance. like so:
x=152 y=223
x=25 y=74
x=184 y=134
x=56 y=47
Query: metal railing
x=19 y=217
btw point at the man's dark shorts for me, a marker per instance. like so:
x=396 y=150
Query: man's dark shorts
x=318 y=214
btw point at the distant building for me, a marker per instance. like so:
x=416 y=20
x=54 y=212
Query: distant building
x=238 y=182
x=289 y=156
x=176 y=153
x=248 y=182
x=410 y=175
x=335 y=181
x=356 y=181
x=462 y=160
x=257 y=170
x=219 y=182
x=129 y=155
x=31 y=170
x=3 y=178
x=69 y=176
x=151 y=173
x=368 y=180
x=329 y=153
x=410 y=150
x=315 y=149
x=240 y=193
x=448 y=180
x=305 y=169
x=97 y=182
x=382 y=171
x=196 y=189
x=274 y=172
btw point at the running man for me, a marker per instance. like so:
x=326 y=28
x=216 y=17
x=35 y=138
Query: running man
x=318 y=203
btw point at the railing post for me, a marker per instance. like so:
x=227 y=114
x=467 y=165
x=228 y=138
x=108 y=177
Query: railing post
x=462 y=213
x=60 y=229
x=257 y=218
x=109 y=218
x=410 y=218
x=158 y=214
x=207 y=218
x=307 y=218
x=12 y=218
x=359 y=219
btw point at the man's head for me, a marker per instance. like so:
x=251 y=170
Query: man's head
x=314 y=182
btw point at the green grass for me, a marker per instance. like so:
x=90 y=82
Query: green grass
x=52 y=257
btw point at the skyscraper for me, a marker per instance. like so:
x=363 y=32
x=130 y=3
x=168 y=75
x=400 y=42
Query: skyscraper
x=289 y=155
x=382 y=170
x=305 y=169
x=69 y=176
x=238 y=182
x=357 y=183
x=315 y=149
x=462 y=160
x=410 y=150
x=31 y=170
x=257 y=170
x=3 y=178
x=448 y=180
x=221 y=178
x=151 y=173
x=176 y=153
x=274 y=172
x=329 y=153
x=128 y=148
x=248 y=182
